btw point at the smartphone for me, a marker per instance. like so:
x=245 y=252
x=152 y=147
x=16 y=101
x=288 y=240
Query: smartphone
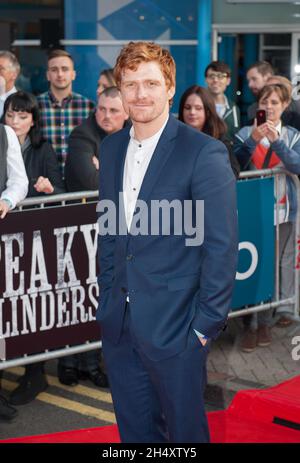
x=261 y=116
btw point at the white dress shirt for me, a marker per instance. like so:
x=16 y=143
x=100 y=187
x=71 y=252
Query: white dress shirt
x=17 y=181
x=3 y=98
x=138 y=157
x=137 y=160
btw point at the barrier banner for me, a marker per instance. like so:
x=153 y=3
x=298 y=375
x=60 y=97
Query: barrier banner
x=48 y=270
x=255 y=278
x=48 y=279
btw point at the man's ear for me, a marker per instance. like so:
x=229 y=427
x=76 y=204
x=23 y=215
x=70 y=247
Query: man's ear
x=171 y=92
x=15 y=75
x=74 y=75
x=228 y=81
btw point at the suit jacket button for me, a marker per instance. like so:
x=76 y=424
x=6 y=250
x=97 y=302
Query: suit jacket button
x=124 y=290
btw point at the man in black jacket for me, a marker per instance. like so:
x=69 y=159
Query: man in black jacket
x=82 y=173
x=82 y=165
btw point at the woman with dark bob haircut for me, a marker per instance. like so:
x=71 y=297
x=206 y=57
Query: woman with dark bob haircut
x=197 y=109
x=21 y=113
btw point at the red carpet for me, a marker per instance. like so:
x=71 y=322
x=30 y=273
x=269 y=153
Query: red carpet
x=269 y=415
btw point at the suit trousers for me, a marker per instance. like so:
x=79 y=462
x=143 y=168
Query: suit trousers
x=157 y=401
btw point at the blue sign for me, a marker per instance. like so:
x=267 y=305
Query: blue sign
x=255 y=279
x=130 y=20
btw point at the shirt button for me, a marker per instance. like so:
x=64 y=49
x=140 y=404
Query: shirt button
x=129 y=257
x=134 y=189
x=140 y=146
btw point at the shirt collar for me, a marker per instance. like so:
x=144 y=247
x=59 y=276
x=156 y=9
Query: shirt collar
x=55 y=102
x=226 y=104
x=148 y=141
x=10 y=92
x=278 y=127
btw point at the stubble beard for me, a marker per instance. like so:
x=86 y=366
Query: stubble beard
x=61 y=86
x=143 y=116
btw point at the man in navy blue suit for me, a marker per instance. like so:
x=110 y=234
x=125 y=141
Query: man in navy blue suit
x=163 y=294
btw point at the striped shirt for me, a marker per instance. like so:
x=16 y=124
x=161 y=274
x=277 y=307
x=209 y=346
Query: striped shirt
x=59 y=119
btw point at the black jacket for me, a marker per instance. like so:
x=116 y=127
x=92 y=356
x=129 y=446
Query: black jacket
x=235 y=166
x=42 y=161
x=84 y=143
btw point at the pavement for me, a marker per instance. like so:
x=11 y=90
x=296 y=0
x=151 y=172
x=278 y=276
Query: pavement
x=231 y=370
x=61 y=408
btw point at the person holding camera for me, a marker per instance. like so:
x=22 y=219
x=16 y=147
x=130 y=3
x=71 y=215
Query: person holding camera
x=268 y=143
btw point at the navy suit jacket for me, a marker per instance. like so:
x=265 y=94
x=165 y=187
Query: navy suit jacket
x=173 y=288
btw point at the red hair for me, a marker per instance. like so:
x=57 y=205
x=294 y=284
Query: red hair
x=135 y=53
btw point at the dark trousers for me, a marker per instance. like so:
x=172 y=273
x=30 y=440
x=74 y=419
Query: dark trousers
x=157 y=401
x=85 y=361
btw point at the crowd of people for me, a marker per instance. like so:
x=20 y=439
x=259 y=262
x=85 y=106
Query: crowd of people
x=51 y=144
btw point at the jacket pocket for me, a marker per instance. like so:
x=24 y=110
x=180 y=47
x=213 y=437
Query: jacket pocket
x=183 y=282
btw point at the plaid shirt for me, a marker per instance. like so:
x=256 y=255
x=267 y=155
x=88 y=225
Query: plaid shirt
x=58 y=121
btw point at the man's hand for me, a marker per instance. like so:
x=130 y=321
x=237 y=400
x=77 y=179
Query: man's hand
x=43 y=185
x=95 y=162
x=4 y=208
x=203 y=341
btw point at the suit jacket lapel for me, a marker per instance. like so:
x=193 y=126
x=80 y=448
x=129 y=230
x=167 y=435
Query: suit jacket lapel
x=159 y=158
x=120 y=164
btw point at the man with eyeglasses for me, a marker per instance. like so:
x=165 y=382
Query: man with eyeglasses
x=218 y=77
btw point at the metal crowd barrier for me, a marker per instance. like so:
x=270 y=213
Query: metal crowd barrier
x=294 y=300
x=33 y=203
x=82 y=197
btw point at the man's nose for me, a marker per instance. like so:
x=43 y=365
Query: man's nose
x=141 y=92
